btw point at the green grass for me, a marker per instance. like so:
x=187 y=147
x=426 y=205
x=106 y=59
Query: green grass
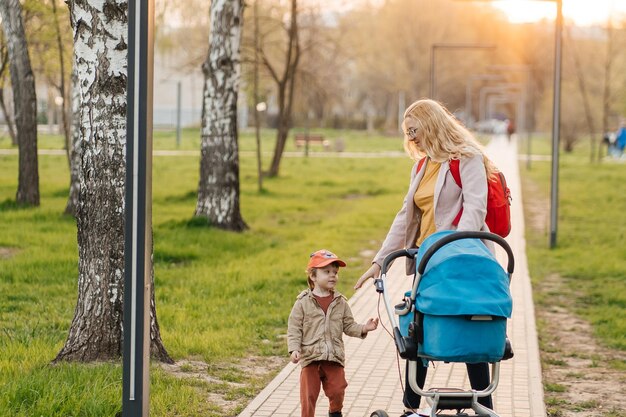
x=590 y=255
x=220 y=296
x=353 y=140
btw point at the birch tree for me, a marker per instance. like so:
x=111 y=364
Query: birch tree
x=100 y=59
x=218 y=191
x=24 y=102
x=73 y=143
x=8 y=115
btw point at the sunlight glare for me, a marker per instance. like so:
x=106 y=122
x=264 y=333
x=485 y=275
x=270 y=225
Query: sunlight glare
x=582 y=12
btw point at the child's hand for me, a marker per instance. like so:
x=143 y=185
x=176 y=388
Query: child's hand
x=295 y=356
x=371 y=324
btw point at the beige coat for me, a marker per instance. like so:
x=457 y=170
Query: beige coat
x=318 y=336
x=448 y=200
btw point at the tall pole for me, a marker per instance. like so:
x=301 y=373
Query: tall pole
x=178 y=113
x=432 y=71
x=401 y=108
x=138 y=211
x=257 y=121
x=556 y=122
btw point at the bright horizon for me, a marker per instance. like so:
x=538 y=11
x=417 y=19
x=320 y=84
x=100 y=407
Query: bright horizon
x=581 y=12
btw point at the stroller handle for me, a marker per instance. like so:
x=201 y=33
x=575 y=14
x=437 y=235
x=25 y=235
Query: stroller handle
x=466 y=235
x=409 y=253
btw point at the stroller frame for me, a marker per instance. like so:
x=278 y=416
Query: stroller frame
x=438 y=398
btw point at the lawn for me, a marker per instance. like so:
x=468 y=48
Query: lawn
x=590 y=255
x=223 y=297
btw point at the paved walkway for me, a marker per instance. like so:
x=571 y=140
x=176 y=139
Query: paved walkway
x=373 y=369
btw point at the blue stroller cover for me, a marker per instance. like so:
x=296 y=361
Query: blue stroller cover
x=464 y=298
x=462 y=278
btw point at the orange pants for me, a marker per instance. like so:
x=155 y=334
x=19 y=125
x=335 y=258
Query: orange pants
x=329 y=375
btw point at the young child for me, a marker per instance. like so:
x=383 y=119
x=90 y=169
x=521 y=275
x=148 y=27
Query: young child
x=317 y=321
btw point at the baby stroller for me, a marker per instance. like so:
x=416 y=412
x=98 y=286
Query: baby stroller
x=456 y=311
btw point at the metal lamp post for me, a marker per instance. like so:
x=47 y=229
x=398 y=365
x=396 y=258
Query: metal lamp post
x=556 y=124
x=556 y=117
x=138 y=211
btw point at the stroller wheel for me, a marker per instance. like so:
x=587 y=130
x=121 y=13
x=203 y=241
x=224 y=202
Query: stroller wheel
x=379 y=413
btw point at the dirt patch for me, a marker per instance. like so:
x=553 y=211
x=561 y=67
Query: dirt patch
x=6 y=253
x=577 y=375
x=258 y=371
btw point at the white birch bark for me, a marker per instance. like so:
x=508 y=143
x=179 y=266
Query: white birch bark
x=100 y=48
x=218 y=191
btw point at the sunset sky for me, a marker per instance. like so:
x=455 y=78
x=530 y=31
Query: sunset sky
x=582 y=12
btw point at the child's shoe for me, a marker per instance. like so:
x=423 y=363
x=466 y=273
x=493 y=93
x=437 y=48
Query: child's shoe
x=335 y=414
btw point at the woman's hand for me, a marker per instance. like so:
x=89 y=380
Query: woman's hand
x=295 y=356
x=373 y=272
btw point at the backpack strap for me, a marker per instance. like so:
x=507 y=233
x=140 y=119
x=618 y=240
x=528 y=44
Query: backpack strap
x=455 y=171
x=456 y=174
x=420 y=164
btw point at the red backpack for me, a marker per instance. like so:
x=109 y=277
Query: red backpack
x=498 y=216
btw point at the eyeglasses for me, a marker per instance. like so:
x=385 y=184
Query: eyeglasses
x=411 y=133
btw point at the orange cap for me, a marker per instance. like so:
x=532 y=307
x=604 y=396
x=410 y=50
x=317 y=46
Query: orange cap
x=323 y=257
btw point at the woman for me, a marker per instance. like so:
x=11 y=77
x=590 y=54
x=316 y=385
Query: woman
x=434 y=200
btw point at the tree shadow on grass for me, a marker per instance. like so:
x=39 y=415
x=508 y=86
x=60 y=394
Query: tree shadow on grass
x=12 y=205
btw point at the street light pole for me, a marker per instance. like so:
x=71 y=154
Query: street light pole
x=556 y=124
x=433 y=49
x=138 y=211
x=556 y=118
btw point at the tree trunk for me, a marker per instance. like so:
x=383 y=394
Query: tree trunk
x=25 y=102
x=257 y=121
x=583 y=92
x=74 y=150
x=218 y=191
x=286 y=87
x=7 y=117
x=606 y=95
x=64 y=111
x=100 y=61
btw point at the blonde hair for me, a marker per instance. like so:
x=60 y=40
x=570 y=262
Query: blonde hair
x=311 y=272
x=442 y=136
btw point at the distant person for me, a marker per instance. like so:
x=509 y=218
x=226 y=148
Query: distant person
x=316 y=324
x=620 y=140
x=609 y=139
x=510 y=128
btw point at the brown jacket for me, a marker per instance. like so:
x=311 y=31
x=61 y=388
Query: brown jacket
x=316 y=335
